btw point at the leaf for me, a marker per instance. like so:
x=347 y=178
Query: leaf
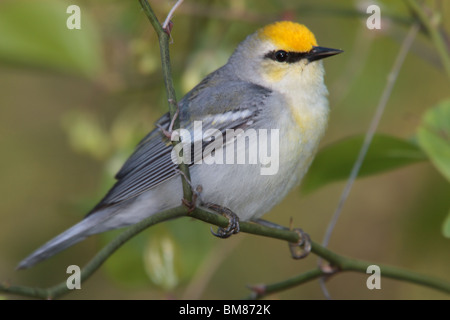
x=434 y=136
x=35 y=34
x=446 y=226
x=335 y=162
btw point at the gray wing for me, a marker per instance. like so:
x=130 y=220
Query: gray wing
x=237 y=105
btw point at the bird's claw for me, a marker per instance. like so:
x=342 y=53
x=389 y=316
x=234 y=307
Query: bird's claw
x=233 y=221
x=302 y=248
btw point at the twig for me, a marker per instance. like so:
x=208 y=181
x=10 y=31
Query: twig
x=211 y=11
x=261 y=291
x=61 y=289
x=170 y=14
x=392 y=77
x=342 y=263
x=163 y=38
x=433 y=31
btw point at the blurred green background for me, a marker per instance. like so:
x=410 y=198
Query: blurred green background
x=74 y=103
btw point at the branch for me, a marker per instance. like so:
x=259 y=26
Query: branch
x=163 y=38
x=260 y=291
x=431 y=26
x=214 y=11
x=170 y=14
x=338 y=262
x=181 y=211
x=61 y=289
x=391 y=79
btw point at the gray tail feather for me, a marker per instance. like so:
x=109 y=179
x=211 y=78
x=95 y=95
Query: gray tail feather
x=66 y=239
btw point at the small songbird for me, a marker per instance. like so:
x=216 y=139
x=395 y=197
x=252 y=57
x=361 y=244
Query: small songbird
x=270 y=97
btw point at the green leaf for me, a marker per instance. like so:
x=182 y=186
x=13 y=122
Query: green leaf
x=35 y=34
x=434 y=136
x=335 y=162
x=446 y=226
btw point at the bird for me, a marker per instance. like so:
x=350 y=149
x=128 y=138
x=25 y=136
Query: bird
x=271 y=87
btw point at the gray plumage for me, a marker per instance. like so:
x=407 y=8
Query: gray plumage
x=290 y=99
x=151 y=164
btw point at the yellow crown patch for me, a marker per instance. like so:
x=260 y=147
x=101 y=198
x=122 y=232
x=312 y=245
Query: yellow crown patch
x=289 y=36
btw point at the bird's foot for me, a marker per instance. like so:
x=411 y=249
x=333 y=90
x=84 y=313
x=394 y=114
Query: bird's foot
x=233 y=221
x=302 y=248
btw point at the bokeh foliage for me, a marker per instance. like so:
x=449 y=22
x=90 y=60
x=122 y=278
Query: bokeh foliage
x=76 y=102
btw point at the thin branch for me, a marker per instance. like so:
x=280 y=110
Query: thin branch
x=212 y=11
x=207 y=216
x=261 y=291
x=61 y=289
x=436 y=36
x=340 y=262
x=337 y=261
x=372 y=127
x=170 y=14
x=164 y=38
x=344 y=264
x=392 y=77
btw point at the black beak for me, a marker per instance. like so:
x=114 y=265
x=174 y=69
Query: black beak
x=318 y=53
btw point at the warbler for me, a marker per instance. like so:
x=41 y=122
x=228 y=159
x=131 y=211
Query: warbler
x=272 y=83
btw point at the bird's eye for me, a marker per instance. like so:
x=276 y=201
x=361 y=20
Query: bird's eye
x=281 y=56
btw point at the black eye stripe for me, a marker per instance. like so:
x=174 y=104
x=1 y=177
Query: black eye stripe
x=281 y=56
x=289 y=57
